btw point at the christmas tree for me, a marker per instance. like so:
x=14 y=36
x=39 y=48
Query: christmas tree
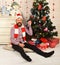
x=41 y=23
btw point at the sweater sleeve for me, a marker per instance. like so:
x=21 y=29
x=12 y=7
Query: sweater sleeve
x=29 y=31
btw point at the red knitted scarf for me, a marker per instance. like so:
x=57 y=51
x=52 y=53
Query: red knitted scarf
x=16 y=33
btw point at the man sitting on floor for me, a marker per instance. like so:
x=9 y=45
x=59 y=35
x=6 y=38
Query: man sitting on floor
x=18 y=39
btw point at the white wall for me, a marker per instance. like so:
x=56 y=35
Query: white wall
x=56 y=20
x=57 y=16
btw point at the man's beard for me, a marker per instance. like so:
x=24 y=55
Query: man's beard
x=19 y=24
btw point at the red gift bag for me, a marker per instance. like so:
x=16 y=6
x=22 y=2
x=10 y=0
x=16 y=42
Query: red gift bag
x=43 y=46
x=53 y=42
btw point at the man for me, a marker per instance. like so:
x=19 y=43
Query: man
x=18 y=39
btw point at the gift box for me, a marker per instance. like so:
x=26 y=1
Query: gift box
x=44 y=40
x=43 y=46
x=31 y=42
x=53 y=42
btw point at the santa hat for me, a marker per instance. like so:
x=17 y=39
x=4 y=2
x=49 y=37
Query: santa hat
x=19 y=16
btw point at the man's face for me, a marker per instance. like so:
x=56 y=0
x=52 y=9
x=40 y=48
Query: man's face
x=19 y=22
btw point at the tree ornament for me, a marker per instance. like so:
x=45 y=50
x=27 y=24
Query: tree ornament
x=38 y=17
x=39 y=21
x=46 y=29
x=44 y=18
x=31 y=16
x=46 y=15
x=40 y=33
x=34 y=15
x=38 y=13
x=39 y=25
x=34 y=22
x=39 y=7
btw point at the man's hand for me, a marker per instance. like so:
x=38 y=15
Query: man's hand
x=29 y=22
x=21 y=45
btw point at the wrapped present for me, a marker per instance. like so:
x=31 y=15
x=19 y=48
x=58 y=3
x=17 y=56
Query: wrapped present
x=43 y=46
x=34 y=41
x=53 y=42
x=44 y=40
x=37 y=42
x=31 y=42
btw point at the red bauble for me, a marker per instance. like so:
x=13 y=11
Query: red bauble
x=46 y=29
x=39 y=7
x=44 y=18
x=31 y=16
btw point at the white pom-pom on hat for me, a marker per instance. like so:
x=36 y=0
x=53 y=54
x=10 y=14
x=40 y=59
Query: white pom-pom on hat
x=19 y=16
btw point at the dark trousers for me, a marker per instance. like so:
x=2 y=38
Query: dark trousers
x=32 y=47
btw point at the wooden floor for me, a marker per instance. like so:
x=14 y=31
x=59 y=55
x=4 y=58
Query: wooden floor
x=14 y=58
